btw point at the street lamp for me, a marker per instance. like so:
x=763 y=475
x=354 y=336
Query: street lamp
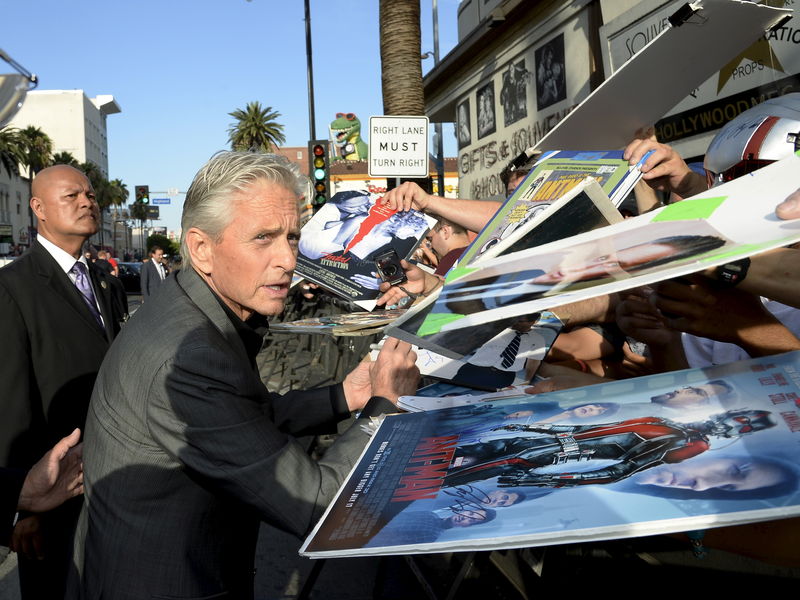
x=13 y=87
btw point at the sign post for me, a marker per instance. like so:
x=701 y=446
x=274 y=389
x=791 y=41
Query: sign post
x=398 y=146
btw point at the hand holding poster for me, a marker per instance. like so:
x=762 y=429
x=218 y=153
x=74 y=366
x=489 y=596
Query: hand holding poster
x=339 y=244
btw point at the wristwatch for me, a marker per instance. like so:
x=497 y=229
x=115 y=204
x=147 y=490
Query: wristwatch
x=733 y=274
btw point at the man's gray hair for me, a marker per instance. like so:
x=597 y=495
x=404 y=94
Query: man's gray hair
x=208 y=201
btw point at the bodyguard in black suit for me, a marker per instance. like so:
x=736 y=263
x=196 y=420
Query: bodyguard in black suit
x=55 y=339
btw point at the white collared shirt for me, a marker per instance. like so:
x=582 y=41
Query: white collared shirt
x=66 y=261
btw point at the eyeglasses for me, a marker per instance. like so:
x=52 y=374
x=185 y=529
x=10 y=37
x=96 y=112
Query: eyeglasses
x=348 y=116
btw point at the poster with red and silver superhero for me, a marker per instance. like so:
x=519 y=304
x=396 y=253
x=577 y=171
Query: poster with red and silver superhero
x=671 y=452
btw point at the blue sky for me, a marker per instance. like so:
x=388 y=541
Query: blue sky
x=178 y=67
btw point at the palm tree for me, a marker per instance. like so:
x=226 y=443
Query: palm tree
x=65 y=158
x=401 y=66
x=38 y=149
x=118 y=192
x=38 y=154
x=12 y=150
x=99 y=183
x=102 y=191
x=256 y=129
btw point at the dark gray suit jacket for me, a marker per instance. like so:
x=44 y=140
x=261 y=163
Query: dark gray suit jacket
x=149 y=278
x=185 y=452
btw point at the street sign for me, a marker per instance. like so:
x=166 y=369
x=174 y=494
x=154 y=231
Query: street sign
x=398 y=146
x=152 y=212
x=172 y=191
x=160 y=201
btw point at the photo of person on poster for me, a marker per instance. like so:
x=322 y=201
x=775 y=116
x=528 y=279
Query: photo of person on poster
x=581 y=266
x=486 y=118
x=551 y=86
x=346 y=212
x=514 y=94
x=463 y=132
x=633 y=445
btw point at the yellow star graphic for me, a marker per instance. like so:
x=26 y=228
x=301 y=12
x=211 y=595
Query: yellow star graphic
x=759 y=52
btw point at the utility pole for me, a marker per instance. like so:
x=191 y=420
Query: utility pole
x=312 y=127
x=438 y=126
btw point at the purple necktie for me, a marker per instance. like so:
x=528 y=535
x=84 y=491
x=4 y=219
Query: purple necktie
x=85 y=288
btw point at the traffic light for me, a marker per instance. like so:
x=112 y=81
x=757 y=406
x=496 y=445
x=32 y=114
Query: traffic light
x=142 y=194
x=320 y=171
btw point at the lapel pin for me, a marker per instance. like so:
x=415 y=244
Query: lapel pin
x=103 y=284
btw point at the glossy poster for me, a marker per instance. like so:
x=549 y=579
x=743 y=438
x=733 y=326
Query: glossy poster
x=672 y=452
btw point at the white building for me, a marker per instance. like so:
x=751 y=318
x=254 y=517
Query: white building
x=76 y=124
x=13 y=211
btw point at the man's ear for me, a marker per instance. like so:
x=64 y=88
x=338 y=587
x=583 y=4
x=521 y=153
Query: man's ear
x=446 y=231
x=201 y=250
x=37 y=206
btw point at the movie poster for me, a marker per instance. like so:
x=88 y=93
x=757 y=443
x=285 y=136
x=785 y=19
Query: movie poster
x=339 y=244
x=670 y=452
x=552 y=179
x=551 y=76
x=716 y=227
x=484 y=100
x=514 y=93
x=463 y=131
x=345 y=324
x=512 y=357
x=514 y=281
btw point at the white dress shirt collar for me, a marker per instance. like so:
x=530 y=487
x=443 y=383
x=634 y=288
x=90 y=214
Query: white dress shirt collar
x=64 y=259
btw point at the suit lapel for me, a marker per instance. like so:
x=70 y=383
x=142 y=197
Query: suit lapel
x=102 y=291
x=199 y=292
x=55 y=281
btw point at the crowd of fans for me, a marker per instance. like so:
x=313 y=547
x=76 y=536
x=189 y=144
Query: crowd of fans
x=740 y=310
x=186 y=451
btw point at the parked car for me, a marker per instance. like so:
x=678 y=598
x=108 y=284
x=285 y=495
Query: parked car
x=129 y=276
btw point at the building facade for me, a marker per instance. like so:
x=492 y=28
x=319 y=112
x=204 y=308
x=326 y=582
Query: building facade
x=353 y=175
x=76 y=124
x=522 y=66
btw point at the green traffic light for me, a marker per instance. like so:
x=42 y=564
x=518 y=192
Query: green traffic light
x=319 y=173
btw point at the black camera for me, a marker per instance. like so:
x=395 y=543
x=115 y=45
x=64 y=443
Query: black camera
x=389 y=267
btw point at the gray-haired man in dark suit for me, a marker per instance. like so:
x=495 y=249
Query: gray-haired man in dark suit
x=185 y=449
